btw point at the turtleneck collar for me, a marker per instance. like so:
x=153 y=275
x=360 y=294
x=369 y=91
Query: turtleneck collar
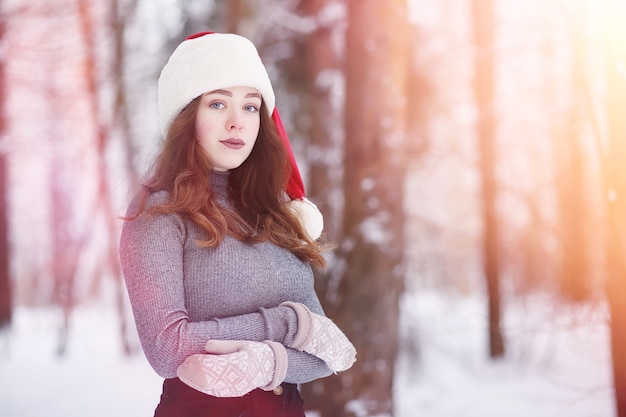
x=219 y=186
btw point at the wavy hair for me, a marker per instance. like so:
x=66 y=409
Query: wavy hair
x=256 y=187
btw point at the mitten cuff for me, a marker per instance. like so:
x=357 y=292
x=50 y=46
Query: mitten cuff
x=305 y=324
x=280 y=365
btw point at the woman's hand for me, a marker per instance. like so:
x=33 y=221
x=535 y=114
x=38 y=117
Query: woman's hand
x=232 y=368
x=320 y=337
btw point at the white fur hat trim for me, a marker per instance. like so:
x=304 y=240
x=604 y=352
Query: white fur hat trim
x=206 y=63
x=309 y=215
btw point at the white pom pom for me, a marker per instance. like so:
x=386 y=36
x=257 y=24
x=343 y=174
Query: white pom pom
x=309 y=215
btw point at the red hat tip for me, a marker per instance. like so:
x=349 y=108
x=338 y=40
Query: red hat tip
x=295 y=185
x=197 y=35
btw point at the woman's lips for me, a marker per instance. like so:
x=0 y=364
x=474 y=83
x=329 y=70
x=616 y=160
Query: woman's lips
x=233 y=143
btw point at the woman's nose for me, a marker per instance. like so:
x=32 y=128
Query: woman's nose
x=235 y=120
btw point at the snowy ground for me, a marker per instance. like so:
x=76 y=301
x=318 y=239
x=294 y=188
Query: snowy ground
x=557 y=365
x=94 y=379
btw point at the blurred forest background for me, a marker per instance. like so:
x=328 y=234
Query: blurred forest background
x=464 y=146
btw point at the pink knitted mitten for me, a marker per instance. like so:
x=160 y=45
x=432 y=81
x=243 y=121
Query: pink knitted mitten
x=232 y=368
x=320 y=337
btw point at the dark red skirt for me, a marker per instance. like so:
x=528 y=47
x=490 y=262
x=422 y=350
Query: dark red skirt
x=180 y=400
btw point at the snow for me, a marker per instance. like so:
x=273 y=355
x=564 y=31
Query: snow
x=94 y=378
x=557 y=363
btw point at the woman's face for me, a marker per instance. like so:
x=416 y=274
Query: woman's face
x=227 y=125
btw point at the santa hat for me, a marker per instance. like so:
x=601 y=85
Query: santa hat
x=209 y=61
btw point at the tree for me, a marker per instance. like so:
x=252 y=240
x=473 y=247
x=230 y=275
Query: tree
x=615 y=187
x=482 y=12
x=570 y=156
x=322 y=66
x=323 y=72
x=5 y=279
x=119 y=16
x=369 y=274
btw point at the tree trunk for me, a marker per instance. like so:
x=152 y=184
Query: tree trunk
x=5 y=279
x=615 y=179
x=65 y=247
x=324 y=146
x=574 y=273
x=6 y=299
x=323 y=151
x=118 y=21
x=482 y=11
x=235 y=11
x=119 y=15
x=370 y=273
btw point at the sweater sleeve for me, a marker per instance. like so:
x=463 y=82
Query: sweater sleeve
x=151 y=254
x=303 y=367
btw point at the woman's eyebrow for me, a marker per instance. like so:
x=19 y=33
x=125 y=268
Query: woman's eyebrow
x=229 y=94
x=220 y=91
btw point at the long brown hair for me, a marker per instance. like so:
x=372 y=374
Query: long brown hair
x=257 y=189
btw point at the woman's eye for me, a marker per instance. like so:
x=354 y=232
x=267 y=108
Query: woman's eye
x=216 y=105
x=251 y=108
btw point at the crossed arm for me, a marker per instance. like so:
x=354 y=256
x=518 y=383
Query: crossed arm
x=152 y=260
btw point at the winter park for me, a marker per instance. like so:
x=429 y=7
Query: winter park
x=466 y=157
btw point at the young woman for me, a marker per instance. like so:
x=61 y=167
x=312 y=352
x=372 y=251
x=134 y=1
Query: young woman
x=217 y=247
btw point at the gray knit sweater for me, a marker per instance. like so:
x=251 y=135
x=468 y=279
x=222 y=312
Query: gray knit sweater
x=183 y=295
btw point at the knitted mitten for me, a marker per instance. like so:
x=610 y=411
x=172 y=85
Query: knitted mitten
x=320 y=337
x=232 y=368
